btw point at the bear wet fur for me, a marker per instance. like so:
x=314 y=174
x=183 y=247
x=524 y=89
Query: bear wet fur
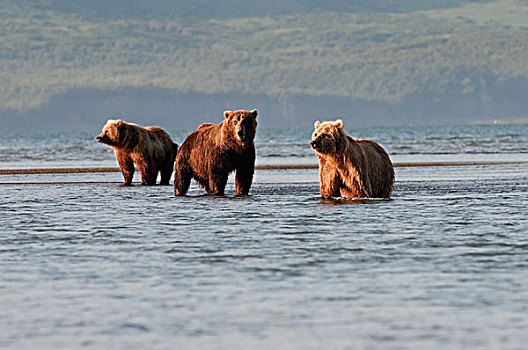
x=350 y=167
x=213 y=151
x=150 y=148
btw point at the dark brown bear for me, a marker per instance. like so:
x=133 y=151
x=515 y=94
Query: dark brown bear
x=213 y=151
x=150 y=148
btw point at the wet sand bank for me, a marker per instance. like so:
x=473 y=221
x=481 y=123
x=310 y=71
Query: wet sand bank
x=258 y=167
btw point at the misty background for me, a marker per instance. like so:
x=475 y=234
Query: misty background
x=72 y=64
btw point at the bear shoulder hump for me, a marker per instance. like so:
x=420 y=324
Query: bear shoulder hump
x=205 y=125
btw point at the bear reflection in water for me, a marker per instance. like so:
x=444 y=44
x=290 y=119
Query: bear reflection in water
x=213 y=151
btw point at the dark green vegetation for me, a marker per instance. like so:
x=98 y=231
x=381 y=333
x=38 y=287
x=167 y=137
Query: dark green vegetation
x=389 y=60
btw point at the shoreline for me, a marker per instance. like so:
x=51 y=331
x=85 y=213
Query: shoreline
x=41 y=171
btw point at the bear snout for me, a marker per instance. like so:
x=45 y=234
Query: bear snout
x=102 y=139
x=315 y=144
x=242 y=133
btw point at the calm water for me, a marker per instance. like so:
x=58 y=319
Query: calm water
x=444 y=264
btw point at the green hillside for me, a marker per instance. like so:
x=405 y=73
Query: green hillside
x=234 y=8
x=382 y=56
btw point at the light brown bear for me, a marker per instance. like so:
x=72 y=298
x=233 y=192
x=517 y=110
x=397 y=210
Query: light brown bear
x=150 y=148
x=350 y=167
x=213 y=151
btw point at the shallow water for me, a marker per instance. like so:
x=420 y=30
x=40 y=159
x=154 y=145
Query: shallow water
x=289 y=146
x=96 y=265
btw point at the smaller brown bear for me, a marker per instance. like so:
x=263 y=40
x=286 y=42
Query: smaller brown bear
x=213 y=151
x=150 y=148
x=350 y=167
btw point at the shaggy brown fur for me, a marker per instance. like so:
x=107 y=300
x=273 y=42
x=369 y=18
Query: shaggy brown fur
x=350 y=167
x=150 y=148
x=211 y=152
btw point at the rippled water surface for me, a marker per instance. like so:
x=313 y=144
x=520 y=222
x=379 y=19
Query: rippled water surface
x=87 y=263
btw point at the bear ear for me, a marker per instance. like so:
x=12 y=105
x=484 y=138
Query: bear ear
x=254 y=113
x=317 y=124
x=338 y=124
x=226 y=114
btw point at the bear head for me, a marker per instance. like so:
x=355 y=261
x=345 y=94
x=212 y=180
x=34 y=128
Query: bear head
x=111 y=133
x=242 y=125
x=327 y=136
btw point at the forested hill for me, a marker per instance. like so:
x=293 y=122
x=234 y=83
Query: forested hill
x=382 y=62
x=234 y=8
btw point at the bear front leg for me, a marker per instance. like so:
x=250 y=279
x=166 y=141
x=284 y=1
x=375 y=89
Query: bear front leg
x=244 y=179
x=182 y=178
x=329 y=183
x=244 y=172
x=127 y=166
x=217 y=183
x=352 y=188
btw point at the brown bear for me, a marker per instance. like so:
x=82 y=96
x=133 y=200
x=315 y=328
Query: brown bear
x=350 y=167
x=150 y=148
x=213 y=151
